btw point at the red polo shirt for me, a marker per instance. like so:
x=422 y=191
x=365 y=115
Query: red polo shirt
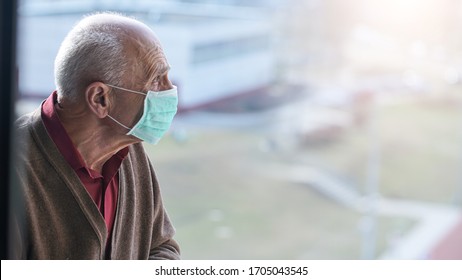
x=103 y=188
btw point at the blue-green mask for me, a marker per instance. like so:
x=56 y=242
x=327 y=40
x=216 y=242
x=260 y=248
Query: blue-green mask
x=159 y=109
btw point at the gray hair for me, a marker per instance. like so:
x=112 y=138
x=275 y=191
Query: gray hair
x=90 y=52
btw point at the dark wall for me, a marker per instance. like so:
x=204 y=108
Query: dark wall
x=8 y=89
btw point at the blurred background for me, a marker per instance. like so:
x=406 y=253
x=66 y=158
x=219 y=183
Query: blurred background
x=307 y=129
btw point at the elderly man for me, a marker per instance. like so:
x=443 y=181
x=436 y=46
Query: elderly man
x=90 y=191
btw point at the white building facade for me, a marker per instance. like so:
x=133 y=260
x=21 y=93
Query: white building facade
x=215 y=51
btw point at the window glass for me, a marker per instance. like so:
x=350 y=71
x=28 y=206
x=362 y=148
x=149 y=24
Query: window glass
x=307 y=129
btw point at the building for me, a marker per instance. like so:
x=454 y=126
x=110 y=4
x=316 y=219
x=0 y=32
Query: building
x=215 y=51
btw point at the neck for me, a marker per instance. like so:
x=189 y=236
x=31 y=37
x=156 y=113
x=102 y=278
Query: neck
x=93 y=138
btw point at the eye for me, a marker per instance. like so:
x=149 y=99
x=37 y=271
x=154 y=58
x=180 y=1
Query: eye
x=154 y=84
x=155 y=81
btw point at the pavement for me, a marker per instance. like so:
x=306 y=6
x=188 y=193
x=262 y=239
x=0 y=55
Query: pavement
x=434 y=222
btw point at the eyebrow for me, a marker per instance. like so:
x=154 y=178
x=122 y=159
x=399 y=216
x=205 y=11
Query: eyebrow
x=162 y=70
x=165 y=69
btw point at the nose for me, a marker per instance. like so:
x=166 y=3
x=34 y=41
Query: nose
x=166 y=84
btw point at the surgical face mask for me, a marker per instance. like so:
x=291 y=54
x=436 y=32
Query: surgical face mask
x=159 y=109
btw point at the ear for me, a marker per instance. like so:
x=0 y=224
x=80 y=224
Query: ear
x=97 y=98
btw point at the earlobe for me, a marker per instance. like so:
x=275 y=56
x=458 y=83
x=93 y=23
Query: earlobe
x=97 y=98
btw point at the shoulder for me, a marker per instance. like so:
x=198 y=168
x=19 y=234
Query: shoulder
x=138 y=158
x=137 y=149
x=26 y=124
x=136 y=153
x=139 y=162
x=27 y=120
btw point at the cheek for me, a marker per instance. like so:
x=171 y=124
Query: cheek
x=137 y=109
x=130 y=110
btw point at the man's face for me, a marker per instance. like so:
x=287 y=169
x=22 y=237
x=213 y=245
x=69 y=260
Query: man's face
x=147 y=71
x=130 y=106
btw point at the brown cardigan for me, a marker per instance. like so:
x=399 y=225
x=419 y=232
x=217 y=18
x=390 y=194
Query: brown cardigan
x=61 y=219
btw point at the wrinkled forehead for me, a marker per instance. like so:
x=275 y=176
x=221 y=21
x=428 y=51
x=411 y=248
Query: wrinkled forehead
x=146 y=52
x=152 y=59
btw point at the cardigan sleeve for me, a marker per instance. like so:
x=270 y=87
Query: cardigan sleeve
x=166 y=251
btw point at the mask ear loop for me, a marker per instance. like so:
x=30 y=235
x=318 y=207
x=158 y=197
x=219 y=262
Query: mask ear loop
x=129 y=90
x=119 y=123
